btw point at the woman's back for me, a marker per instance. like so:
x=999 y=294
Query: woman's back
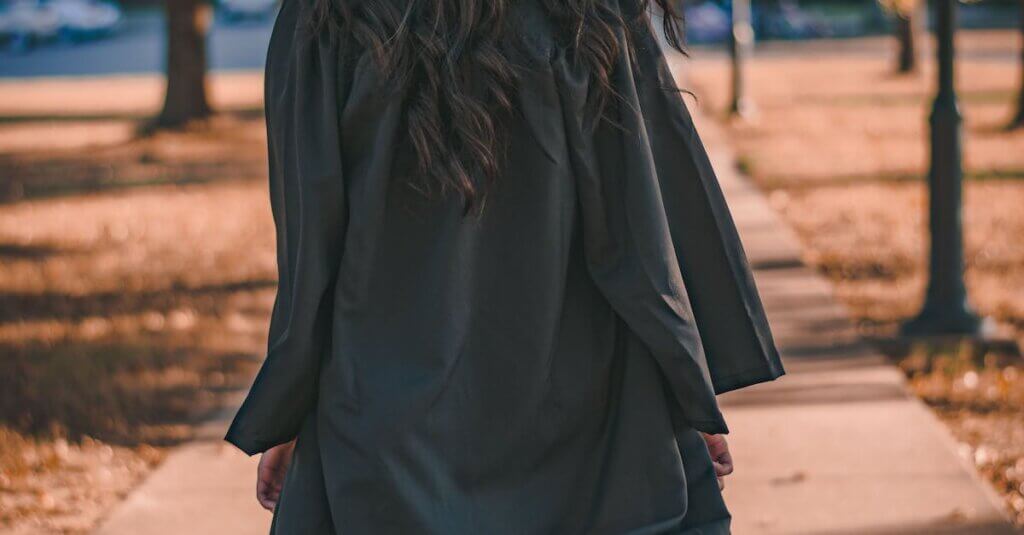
x=536 y=365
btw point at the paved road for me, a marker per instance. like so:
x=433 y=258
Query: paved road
x=139 y=48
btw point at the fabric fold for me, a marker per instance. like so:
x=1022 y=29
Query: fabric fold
x=660 y=241
x=307 y=194
x=736 y=337
x=627 y=244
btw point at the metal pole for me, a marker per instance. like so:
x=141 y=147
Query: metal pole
x=740 y=41
x=946 y=310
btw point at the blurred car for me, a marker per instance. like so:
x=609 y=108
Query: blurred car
x=787 y=20
x=28 y=23
x=707 y=22
x=239 y=10
x=25 y=23
x=86 y=19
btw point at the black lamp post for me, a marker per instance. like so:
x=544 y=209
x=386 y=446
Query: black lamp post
x=740 y=40
x=946 y=310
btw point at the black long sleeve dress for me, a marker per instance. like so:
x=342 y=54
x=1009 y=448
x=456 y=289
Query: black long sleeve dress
x=542 y=368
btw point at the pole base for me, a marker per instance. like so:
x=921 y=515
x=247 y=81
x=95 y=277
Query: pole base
x=743 y=109
x=947 y=320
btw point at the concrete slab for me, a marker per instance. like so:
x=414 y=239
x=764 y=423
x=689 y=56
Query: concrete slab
x=205 y=487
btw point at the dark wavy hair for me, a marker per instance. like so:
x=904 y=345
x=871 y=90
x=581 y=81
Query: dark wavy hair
x=453 y=60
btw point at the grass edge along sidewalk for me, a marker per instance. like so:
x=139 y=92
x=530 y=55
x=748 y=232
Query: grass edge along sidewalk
x=839 y=445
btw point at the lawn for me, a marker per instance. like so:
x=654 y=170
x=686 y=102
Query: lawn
x=838 y=142
x=136 y=278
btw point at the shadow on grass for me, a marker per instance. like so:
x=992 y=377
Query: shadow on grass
x=13 y=251
x=227 y=146
x=907 y=99
x=839 y=181
x=125 y=392
x=70 y=178
x=16 y=306
x=242 y=112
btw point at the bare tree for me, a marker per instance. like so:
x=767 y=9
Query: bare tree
x=185 y=100
x=1018 y=119
x=908 y=14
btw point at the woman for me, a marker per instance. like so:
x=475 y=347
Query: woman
x=486 y=213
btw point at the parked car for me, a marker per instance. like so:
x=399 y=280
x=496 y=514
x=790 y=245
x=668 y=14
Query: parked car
x=26 y=23
x=86 y=19
x=787 y=20
x=240 y=10
x=707 y=22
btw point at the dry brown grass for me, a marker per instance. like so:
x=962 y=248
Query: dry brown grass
x=136 y=276
x=839 y=143
x=835 y=118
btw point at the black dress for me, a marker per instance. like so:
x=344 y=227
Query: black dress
x=539 y=369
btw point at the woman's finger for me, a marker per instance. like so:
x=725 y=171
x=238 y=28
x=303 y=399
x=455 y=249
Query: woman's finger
x=718 y=447
x=725 y=459
x=722 y=469
x=270 y=474
x=269 y=497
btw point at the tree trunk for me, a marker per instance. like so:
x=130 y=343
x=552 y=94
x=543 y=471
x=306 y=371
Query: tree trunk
x=1018 y=120
x=906 y=34
x=185 y=100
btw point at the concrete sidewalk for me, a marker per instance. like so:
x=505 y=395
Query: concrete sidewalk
x=205 y=487
x=838 y=446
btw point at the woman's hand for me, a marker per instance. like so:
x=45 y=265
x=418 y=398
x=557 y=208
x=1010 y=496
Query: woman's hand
x=270 y=474
x=720 y=456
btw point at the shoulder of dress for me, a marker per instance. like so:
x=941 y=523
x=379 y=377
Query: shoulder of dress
x=533 y=29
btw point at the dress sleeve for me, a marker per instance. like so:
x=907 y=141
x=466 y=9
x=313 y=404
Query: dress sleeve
x=304 y=87
x=737 y=339
x=659 y=240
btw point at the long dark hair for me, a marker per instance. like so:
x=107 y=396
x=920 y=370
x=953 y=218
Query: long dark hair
x=452 y=59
